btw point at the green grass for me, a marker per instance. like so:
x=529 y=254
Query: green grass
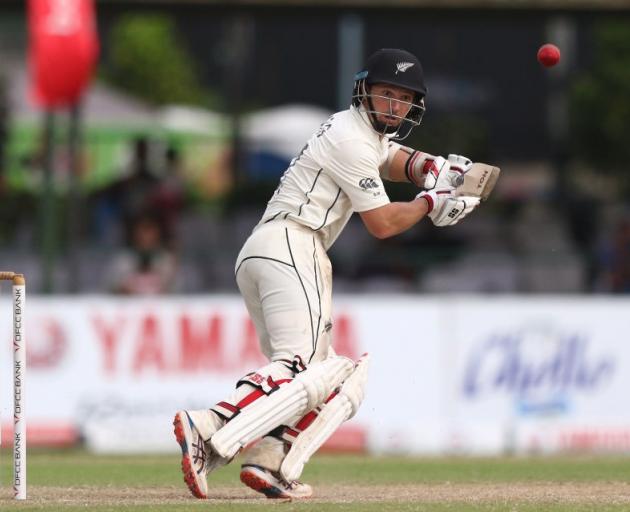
x=137 y=476
x=72 y=468
x=325 y=507
x=470 y=470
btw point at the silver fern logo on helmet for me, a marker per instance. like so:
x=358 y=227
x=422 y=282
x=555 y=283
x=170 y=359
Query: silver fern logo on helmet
x=403 y=66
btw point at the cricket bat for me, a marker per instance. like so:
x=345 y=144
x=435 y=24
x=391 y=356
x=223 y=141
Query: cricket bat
x=478 y=181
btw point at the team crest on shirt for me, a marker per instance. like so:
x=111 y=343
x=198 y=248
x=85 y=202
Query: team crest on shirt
x=369 y=185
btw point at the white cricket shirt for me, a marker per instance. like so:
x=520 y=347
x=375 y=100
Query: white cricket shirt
x=336 y=174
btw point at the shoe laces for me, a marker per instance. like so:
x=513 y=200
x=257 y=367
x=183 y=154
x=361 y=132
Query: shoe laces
x=199 y=452
x=290 y=486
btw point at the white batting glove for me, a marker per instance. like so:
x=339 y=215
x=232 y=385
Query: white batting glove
x=470 y=203
x=447 y=172
x=459 y=165
x=437 y=173
x=445 y=209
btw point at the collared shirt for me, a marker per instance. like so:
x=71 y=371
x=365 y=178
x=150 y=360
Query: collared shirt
x=335 y=175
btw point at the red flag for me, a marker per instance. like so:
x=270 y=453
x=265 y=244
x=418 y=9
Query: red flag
x=63 y=48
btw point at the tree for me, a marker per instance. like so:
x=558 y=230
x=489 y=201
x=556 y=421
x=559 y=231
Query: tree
x=600 y=103
x=147 y=59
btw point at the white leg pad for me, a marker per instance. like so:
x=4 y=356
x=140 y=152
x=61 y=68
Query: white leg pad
x=305 y=392
x=341 y=408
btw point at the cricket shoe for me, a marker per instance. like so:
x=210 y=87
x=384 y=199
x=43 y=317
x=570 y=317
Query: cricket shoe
x=198 y=459
x=272 y=485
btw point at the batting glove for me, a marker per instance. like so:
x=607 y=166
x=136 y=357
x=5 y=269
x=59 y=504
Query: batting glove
x=459 y=163
x=447 y=172
x=445 y=209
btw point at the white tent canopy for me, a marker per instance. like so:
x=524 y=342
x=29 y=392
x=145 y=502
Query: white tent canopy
x=282 y=130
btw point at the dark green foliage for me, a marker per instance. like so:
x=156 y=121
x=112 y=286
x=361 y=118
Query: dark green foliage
x=147 y=59
x=600 y=103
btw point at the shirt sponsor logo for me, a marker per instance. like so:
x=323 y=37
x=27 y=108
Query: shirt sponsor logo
x=367 y=183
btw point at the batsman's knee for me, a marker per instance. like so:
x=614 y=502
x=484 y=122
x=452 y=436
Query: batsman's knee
x=320 y=379
x=354 y=386
x=339 y=407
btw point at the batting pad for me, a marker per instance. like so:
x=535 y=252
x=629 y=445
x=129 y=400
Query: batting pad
x=341 y=408
x=306 y=391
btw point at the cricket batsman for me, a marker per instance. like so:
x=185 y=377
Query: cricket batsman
x=296 y=402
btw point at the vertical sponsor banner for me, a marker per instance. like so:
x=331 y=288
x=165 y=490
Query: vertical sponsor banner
x=537 y=375
x=63 y=48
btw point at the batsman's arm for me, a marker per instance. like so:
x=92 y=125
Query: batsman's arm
x=394 y=218
x=405 y=164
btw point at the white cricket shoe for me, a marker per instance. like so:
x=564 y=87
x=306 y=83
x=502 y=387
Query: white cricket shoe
x=198 y=459
x=272 y=485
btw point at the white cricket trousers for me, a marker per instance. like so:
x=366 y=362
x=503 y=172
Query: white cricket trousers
x=285 y=277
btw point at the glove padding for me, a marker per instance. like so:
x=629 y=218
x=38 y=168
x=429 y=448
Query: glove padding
x=447 y=172
x=459 y=163
x=446 y=209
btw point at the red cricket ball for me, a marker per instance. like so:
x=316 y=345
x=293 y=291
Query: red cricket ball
x=548 y=55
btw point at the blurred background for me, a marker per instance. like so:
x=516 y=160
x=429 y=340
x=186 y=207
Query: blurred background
x=149 y=180
x=203 y=104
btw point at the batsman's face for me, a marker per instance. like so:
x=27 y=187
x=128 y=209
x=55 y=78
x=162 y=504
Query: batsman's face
x=391 y=103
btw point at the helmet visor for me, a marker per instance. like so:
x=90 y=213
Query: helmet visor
x=393 y=117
